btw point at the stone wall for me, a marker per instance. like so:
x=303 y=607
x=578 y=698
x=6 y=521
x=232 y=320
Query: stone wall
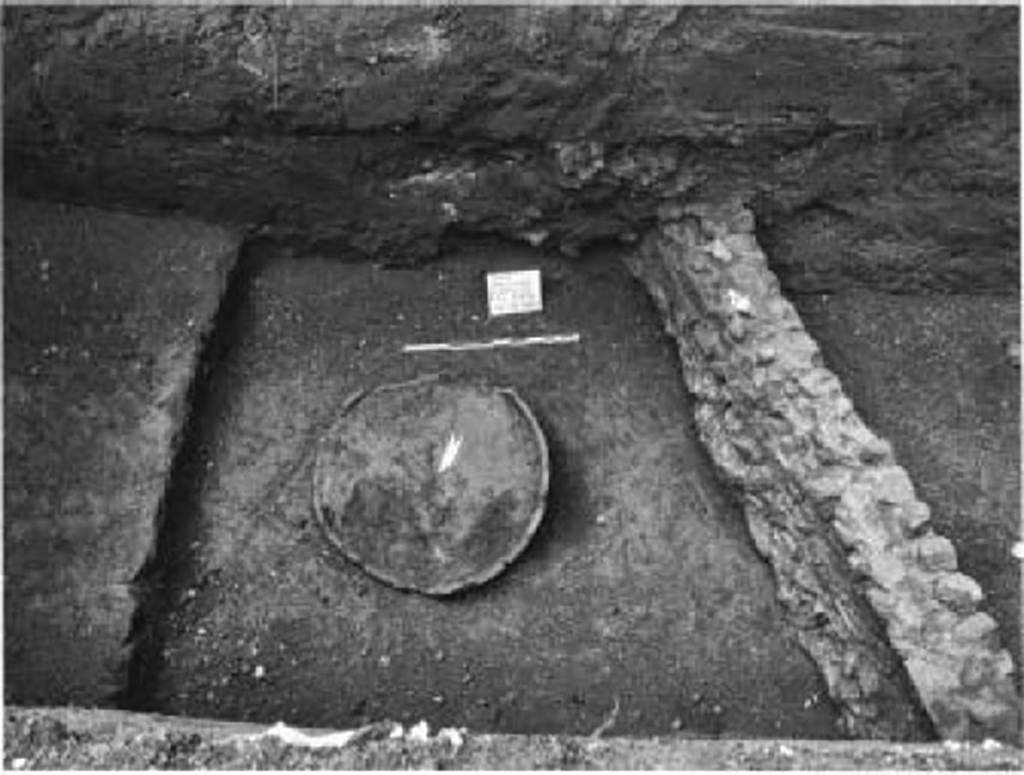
x=872 y=590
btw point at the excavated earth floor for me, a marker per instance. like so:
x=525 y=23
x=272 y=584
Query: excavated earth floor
x=641 y=590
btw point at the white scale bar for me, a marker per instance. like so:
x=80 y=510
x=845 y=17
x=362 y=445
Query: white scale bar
x=525 y=341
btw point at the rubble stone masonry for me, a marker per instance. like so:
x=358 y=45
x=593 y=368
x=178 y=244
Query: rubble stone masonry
x=872 y=591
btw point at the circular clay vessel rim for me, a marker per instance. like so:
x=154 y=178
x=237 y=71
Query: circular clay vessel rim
x=495 y=568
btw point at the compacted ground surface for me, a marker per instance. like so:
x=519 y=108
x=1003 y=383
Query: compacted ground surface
x=640 y=601
x=930 y=373
x=102 y=319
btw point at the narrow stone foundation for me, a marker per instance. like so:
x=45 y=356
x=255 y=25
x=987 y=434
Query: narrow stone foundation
x=871 y=589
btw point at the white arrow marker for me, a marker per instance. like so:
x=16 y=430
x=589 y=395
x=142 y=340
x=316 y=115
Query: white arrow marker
x=451 y=451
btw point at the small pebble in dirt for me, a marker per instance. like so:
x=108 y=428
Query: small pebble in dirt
x=438 y=699
x=1013 y=353
x=19 y=763
x=259 y=672
x=439 y=655
x=190 y=593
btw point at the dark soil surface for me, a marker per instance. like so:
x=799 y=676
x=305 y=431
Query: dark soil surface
x=640 y=601
x=103 y=313
x=930 y=374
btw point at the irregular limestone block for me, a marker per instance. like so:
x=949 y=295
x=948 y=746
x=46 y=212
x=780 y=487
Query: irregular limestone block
x=103 y=320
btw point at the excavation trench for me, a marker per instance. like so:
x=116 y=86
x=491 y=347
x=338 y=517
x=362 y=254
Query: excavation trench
x=709 y=563
x=642 y=606
x=746 y=533
x=641 y=598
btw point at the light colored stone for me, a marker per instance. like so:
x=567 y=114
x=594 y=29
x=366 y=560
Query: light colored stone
x=738 y=302
x=935 y=552
x=975 y=628
x=881 y=600
x=743 y=245
x=930 y=675
x=959 y=592
x=975 y=671
x=886 y=569
x=719 y=251
x=1002 y=665
x=736 y=328
x=913 y=516
x=892 y=485
x=989 y=711
x=830 y=482
x=938 y=628
x=871 y=448
x=856 y=499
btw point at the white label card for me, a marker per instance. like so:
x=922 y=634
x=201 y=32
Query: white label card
x=514 y=293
